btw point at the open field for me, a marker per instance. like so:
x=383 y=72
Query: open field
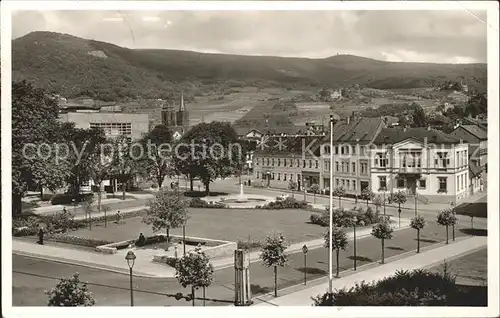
x=471 y=269
x=223 y=224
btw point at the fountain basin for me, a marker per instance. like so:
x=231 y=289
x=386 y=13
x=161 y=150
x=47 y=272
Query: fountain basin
x=238 y=201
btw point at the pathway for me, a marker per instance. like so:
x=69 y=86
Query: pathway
x=423 y=260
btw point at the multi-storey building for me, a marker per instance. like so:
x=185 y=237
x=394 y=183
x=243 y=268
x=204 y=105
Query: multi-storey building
x=306 y=160
x=422 y=162
x=477 y=138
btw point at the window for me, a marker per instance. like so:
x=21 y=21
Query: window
x=337 y=181
x=422 y=184
x=382 y=182
x=298 y=163
x=347 y=149
x=459 y=159
x=279 y=162
x=342 y=150
x=257 y=175
x=113 y=129
x=303 y=163
x=354 y=150
x=272 y=176
x=364 y=168
x=348 y=185
x=336 y=166
x=267 y=161
x=327 y=165
x=327 y=149
x=284 y=177
x=442 y=160
x=284 y=162
x=442 y=184
x=336 y=150
x=400 y=183
x=458 y=183
x=310 y=163
x=354 y=185
x=381 y=160
x=272 y=163
x=317 y=164
x=353 y=167
x=343 y=183
x=279 y=175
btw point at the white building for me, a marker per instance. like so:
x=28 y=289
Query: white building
x=420 y=160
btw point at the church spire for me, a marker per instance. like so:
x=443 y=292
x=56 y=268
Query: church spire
x=181 y=106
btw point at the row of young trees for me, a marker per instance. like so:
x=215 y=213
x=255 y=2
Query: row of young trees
x=47 y=153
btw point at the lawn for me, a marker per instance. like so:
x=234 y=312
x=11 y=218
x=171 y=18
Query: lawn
x=471 y=269
x=223 y=224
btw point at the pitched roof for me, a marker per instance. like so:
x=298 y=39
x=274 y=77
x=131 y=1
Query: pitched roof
x=476 y=131
x=288 y=145
x=395 y=135
x=474 y=169
x=361 y=130
x=243 y=130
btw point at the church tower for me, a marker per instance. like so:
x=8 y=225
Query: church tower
x=182 y=116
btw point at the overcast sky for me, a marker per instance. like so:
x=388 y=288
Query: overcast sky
x=418 y=36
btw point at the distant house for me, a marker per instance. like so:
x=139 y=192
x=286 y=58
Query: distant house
x=477 y=137
x=336 y=94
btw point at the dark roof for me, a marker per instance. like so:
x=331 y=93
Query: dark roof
x=362 y=130
x=266 y=130
x=395 y=135
x=474 y=169
x=288 y=145
x=476 y=131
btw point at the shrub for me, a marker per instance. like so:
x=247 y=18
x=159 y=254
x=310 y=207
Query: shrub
x=70 y=292
x=77 y=240
x=199 y=203
x=248 y=245
x=287 y=203
x=319 y=219
x=60 y=222
x=405 y=288
x=67 y=198
x=22 y=226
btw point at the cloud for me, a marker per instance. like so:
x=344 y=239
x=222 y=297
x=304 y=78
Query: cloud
x=420 y=36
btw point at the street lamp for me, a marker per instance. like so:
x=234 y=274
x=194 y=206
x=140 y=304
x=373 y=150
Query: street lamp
x=304 y=250
x=355 y=221
x=453 y=225
x=130 y=261
x=383 y=190
x=399 y=216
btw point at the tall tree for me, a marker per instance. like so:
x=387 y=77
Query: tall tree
x=157 y=156
x=367 y=195
x=34 y=123
x=273 y=255
x=209 y=151
x=418 y=116
x=339 y=242
x=339 y=192
x=167 y=211
x=123 y=165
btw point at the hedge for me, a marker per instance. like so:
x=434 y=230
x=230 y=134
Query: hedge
x=67 y=198
x=76 y=240
x=288 y=203
x=199 y=203
x=339 y=216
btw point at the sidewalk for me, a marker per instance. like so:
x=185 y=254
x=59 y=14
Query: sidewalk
x=423 y=260
x=59 y=207
x=145 y=267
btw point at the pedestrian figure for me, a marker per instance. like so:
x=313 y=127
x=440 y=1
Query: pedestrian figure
x=248 y=182
x=175 y=251
x=118 y=217
x=64 y=210
x=141 y=240
x=40 y=236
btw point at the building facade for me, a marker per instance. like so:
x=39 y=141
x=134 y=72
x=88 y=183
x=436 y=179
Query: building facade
x=421 y=162
x=477 y=138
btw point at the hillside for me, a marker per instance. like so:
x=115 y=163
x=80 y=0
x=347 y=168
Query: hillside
x=75 y=67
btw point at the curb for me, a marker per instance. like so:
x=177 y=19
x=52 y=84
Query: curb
x=85 y=264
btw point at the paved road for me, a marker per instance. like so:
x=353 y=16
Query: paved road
x=32 y=276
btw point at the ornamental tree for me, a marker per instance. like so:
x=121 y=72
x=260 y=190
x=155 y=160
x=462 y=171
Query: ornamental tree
x=418 y=223
x=70 y=292
x=446 y=218
x=339 y=192
x=273 y=255
x=367 y=195
x=383 y=231
x=157 y=161
x=339 y=242
x=167 y=211
x=194 y=269
x=378 y=201
x=398 y=198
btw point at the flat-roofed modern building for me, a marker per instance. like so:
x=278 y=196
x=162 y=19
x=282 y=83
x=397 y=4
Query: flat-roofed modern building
x=133 y=126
